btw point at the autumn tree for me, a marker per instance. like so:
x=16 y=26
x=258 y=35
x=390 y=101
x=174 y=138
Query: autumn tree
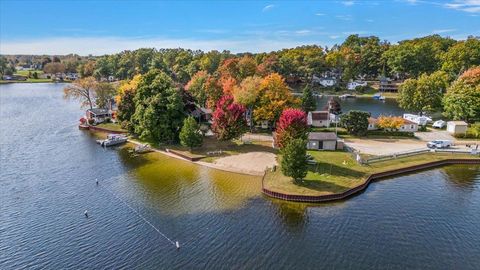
x=246 y=67
x=246 y=94
x=390 y=123
x=425 y=93
x=274 y=97
x=82 y=90
x=197 y=87
x=190 y=135
x=86 y=69
x=214 y=92
x=125 y=99
x=461 y=102
x=125 y=102
x=228 y=83
x=54 y=68
x=228 y=119
x=294 y=159
x=308 y=100
x=158 y=108
x=291 y=125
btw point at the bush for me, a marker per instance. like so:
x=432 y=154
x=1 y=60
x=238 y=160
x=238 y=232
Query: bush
x=390 y=133
x=363 y=89
x=91 y=121
x=422 y=128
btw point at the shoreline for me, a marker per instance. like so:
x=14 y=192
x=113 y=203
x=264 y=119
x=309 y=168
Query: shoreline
x=362 y=187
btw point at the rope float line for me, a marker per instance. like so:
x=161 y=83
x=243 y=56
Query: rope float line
x=176 y=243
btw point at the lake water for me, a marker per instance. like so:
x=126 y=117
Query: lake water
x=367 y=104
x=428 y=220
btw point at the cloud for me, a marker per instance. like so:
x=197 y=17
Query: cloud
x=441 y=31
x=348 y=3
x=319 y=14
x=333 y=37
x=362 y=32
x=344 y=17
x=303 y=32
x=471 y=6
x=108 y=45
x=267 y=8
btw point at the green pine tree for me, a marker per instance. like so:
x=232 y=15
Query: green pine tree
x=294 y=159
x=308 y=100
x=190 y=134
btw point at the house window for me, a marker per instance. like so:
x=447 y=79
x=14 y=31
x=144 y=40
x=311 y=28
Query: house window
x=411 y=126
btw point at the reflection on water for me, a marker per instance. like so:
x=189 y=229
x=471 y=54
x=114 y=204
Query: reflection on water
x=367 y=104
x=427 y=220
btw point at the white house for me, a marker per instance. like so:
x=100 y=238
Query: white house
x=319 y=119
x=457 y=127
x=98 y=115
x=324 y=81
x=420 y=120
x=408 y=126
x=353 y=85
x=322 y=141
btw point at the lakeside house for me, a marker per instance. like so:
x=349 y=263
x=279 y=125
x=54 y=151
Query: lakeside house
x=98 y=115
x=457 y=127
x=324 y=81
x=387 y=85
x=319 y=118
x=418 y=119
x=407 y=126
x=14 y=78
x=353 y=85
x=323 y=141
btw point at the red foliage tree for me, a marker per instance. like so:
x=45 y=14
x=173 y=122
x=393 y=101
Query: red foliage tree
x=228 y=119
x=292 y=124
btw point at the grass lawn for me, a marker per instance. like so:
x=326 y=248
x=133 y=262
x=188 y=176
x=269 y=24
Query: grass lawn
x=228 y=148
x=111 y=126
x=337 y=172
x=25 y=72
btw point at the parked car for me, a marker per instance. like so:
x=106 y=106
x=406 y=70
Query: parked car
x=439 y=144
x=439 y=124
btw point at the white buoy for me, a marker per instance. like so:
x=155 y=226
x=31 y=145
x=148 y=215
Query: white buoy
x=177 y=244
x=86 y=213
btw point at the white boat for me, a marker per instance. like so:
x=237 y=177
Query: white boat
x=377 y=96
x=381 y=98
x=113 y=139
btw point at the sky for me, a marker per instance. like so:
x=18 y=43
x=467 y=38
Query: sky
x=103 y=27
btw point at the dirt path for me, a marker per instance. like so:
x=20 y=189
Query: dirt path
x=253 y=163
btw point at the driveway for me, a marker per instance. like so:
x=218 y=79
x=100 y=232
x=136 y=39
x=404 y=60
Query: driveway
x=434 y=134
x=384 y=146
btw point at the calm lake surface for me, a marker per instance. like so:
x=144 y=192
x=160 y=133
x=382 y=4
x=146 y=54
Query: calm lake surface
x=367 y=104
x=429 y=220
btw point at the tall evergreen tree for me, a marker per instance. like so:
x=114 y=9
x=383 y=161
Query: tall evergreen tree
x=294 y=159
x=190 y=134
x=308 y=100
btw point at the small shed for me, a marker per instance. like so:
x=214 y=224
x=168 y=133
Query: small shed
x=457 y=127
x=322 y=141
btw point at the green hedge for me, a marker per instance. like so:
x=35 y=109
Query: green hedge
x=390 y=133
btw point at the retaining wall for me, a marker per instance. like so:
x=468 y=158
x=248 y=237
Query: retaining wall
x=370 y=178
x=95 y=128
